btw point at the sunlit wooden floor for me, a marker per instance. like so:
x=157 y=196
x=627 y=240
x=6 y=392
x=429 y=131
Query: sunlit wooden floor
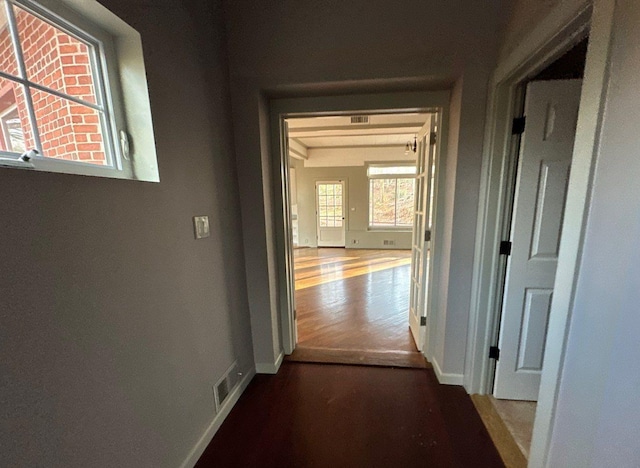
x=354 y=301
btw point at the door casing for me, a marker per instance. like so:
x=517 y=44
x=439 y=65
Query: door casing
x=515 y=379
x=281 y=109
x=554 y=35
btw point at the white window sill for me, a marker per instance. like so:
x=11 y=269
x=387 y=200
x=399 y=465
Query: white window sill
x=389 y=229
x=59 y=166
x=16 y=163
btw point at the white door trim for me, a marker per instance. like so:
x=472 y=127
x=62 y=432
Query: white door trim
x=280 y=109
x=567 y=23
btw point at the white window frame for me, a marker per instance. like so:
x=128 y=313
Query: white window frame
x=3 y=128
x=116 y=51
x=371 y=177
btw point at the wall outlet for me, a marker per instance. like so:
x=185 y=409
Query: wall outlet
x=201 y=227
x=355 y=241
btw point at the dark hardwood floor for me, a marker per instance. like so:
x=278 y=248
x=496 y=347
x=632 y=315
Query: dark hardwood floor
x=353 y=307
x=318 y=415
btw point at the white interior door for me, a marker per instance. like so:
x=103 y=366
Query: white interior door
x=551 y=111
x=422 y=228
x=330 y=201
x=291 y=234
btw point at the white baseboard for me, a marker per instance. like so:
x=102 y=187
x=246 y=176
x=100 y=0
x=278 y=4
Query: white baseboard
x=446 y=379
x=201 y=445
x=268 y=367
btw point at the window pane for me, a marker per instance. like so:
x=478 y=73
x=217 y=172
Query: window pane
x=405 y=202
x=391 y=202
x=8 y=62
x=68 y=130
x=391 y=170
x=383 y=202
x=15 y=135
x=54 y=58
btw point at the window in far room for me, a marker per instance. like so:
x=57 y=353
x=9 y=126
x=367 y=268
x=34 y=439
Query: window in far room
x=391 y=196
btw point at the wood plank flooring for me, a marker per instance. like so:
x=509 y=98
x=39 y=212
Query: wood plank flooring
x=353 y=307
x=319 y=415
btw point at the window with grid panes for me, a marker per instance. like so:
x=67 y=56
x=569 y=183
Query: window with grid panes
x=55 y=93
x=391 y=196
x=330 y=203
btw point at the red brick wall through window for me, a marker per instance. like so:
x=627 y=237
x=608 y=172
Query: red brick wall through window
x=58 y=61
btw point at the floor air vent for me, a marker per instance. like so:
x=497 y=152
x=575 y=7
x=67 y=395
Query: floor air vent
x=389 y=242
x=225 y=386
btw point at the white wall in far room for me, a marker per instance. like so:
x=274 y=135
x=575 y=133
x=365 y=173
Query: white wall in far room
x=358 y=236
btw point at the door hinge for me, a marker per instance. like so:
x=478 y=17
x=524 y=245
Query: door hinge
x=295 y=314
x=518 y=125
x=505 y=248
x=494 y=353
x=427 y=236
x=423 y=321
x=433 y=138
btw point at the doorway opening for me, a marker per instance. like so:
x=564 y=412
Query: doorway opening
x=543 y=135
x=361 y=195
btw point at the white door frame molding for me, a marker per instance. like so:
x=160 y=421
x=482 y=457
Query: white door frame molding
x=280 y=109
x=570 y=21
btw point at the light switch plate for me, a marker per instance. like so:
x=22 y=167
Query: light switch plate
x=201 y=227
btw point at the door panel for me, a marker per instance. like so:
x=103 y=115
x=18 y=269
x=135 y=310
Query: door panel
x=330 y=198
x=552 y=190
x=422 y=224
x=537 y=303
x=551 y=110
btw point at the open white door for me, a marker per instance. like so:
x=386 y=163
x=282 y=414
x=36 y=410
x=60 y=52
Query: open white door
x=551 y=111
x=330 y=213
x=422 y=227
x=288 y=196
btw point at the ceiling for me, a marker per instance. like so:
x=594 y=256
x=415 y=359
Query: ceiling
x=339 y=132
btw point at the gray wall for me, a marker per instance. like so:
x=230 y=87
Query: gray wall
x=115 y=321
x=305 y=47
x=597 y=419
x=356 y=203
x=524 y=16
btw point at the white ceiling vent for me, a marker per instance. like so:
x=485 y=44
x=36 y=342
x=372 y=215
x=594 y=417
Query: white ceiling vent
x=359 y=119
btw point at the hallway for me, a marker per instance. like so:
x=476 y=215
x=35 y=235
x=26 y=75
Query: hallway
x=351 y=416
x=353 y=306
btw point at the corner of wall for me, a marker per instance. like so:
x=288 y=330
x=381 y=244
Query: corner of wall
x=270 y=367
x=198 y=449
x=445 y=378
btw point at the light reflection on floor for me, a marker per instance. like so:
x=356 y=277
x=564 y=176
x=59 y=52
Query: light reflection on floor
x=313 y=270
